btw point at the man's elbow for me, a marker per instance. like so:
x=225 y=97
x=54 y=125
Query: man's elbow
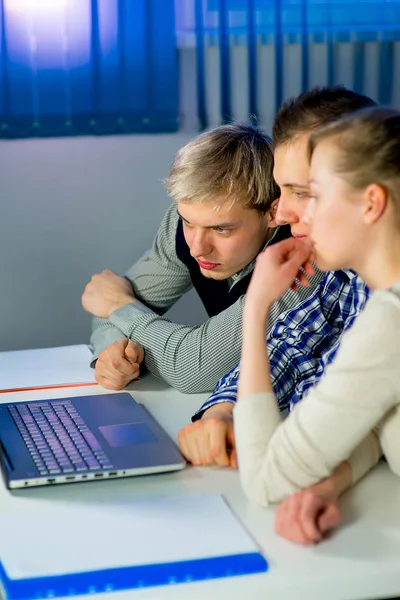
x=189 y=386
x=185 y=382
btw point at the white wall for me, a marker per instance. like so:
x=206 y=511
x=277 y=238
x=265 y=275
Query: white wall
x=69 y=208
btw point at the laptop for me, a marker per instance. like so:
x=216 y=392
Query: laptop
x=66 y=440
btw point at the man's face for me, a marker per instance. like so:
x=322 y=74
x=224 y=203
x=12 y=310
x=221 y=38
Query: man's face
x=291 y=173
x=222 y=238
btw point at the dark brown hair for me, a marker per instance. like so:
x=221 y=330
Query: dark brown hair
x=312 y=109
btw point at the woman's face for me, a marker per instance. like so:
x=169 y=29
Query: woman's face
x=334 y=213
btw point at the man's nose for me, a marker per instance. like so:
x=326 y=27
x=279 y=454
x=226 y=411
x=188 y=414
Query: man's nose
x=200 y=244
x=285 y=212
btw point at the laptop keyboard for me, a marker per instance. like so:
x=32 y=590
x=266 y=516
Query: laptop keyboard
x=58 y=439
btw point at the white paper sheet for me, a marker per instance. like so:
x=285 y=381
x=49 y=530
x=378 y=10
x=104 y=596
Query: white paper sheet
x=45 y=367
x=79 y=538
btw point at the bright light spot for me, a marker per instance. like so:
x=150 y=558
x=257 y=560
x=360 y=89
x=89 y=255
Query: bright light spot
x=36 y=5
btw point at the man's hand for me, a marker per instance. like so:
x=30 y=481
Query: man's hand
x=277 y=269
x=119 y=364
x=105 y=293
x=306 y=517
x=210 y=441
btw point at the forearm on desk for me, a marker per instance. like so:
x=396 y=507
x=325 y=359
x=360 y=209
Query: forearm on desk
x=158 y=280
x=190 y=358
x=275 y=462
x=103 y=334
x=349 y=472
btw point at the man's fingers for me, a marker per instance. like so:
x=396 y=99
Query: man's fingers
x=183 y=445
x=234 y=460
x=195 y=451
x=302 y=278
x=118 y=379
x=121 y=368
x=205 y=442
x=231 y=444
x=135 y=371
x=309 y=268
x=134 y=351
x=188 y=444
x=217 y=435
x=106 y=383
x=116 y=360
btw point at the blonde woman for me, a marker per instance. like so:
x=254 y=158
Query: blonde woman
x=353 y=414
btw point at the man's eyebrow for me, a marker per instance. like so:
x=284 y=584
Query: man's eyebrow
x=294 y=185
x=216 y=225
x=181 y=217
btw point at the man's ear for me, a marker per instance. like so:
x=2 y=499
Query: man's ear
x=272 y=214
x=375 y=203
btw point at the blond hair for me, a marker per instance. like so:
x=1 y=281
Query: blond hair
x=232 y=161
x=368 y=149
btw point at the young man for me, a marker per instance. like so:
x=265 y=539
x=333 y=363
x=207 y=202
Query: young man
x=223 y=189
x=304 y=339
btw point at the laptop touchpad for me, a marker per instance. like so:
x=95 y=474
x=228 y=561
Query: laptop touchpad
x=128 y=434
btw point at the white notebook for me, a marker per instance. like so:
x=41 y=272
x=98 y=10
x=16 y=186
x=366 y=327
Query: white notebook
x=46 y=367
x=77 y=549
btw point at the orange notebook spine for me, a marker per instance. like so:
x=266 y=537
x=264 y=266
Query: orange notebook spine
x=48 y=387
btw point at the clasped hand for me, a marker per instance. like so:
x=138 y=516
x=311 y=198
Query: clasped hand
x=106 y=292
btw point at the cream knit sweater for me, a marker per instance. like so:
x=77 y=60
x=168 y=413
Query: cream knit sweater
x=353 y=414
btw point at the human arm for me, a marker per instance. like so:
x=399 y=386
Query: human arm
x=308 y=515
x=358 y=390
x=278 y=458
x=297 y=339
x=191 y=358
x=157 y=280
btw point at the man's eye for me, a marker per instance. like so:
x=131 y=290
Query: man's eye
x=221 y=230
x=301 y=194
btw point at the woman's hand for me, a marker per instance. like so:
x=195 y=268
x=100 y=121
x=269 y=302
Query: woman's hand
x=278 y=268
x=307 y=516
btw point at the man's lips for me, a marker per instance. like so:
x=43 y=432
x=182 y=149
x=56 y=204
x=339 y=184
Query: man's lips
x=207 y=265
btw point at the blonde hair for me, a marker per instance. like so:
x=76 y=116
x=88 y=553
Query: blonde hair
x=234 y=161
x=368 y=149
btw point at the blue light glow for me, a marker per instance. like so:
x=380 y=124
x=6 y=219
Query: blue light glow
x=36 y=5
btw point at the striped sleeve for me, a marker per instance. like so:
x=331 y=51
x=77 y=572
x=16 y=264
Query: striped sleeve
x=190 y=358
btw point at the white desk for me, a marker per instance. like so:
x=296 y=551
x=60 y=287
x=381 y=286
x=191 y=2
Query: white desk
x=362 y=560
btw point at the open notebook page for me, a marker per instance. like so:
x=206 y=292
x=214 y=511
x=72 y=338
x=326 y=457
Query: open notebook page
x=83 y=538
x=45 y=367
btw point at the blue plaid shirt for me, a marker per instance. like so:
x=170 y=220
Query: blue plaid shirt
x=304 y=340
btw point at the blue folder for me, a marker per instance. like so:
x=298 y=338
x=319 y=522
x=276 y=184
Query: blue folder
x=76 y=549
x=131 y=577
